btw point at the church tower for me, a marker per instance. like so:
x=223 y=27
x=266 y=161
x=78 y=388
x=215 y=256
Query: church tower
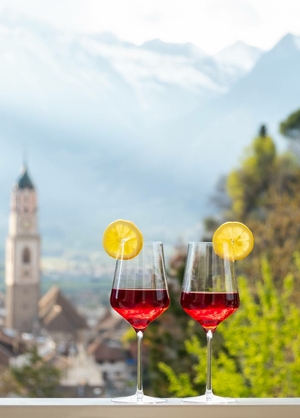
x=22 y=259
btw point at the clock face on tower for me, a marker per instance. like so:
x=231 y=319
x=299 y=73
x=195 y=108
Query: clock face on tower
x=26 y=224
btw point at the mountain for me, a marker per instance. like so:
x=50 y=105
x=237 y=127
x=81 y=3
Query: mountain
x=267 y=94
x=239 y=56
x=115 y=130
x=187 y=49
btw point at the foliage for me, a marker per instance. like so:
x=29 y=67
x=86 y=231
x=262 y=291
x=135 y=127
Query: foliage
x=247 y=185
x=35 y=379
x=259 y=357
x=290 y=128
x=264 y=195
x=254 y=351
x=164 y=339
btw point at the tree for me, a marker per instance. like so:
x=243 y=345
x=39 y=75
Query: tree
x=264 y=195
x=290 y=128
x=35 y=379
x=247 y=185
x=261 y=341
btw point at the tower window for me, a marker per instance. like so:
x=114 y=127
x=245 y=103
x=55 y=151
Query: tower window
x=26 y=256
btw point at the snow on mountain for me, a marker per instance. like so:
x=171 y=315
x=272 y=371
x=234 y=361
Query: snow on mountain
x=265 y=95
x=273 y=83
x=45 y=72
x=239 y=55
x=139 y=65
x=297 y=41
x=165 y=48
x=157 y=78
x=237 y=60
x=158 y=71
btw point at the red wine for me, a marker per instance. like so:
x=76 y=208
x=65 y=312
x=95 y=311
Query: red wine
x=209 y=308
x=139 y=306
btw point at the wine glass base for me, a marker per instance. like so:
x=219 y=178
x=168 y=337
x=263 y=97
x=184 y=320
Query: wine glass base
x=208 y=399
x=138 y=400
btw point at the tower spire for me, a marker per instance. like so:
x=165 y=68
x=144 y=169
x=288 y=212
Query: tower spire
x=24 y=181
x=22 y=273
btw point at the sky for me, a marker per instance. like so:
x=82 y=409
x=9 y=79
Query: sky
x=209 y=24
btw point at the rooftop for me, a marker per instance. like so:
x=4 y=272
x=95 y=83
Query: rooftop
x=24 y=181
x=58 y=314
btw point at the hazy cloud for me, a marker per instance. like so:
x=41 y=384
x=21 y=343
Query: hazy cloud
x=209 y=24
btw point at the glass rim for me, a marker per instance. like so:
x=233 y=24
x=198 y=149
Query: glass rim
x=200 y=242
x=152 y=242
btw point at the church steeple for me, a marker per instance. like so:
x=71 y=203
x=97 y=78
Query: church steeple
x=24 y=181
x=23 y=214
x=22 y=273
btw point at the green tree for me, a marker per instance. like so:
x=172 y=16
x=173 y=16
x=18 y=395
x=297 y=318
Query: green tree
x=264 y=195
x=290 y=128
x=35 y=379
x=247 y=185
x=259 y=357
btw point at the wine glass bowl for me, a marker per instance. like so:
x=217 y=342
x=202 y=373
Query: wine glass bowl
x=209 y=295
x=140 y=294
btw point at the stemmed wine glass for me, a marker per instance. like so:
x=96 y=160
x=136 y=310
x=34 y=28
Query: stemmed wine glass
x=209 y=295
x=140 y=294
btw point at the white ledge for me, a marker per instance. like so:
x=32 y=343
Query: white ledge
x=103 y=407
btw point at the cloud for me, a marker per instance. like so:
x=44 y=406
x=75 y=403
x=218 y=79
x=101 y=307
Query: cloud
x=154 y=17
x=209 y=24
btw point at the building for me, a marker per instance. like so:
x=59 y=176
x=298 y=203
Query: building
x=26 y=311
x=50 y=323
x=22 y=259
x=61 y=320
x=117 y=364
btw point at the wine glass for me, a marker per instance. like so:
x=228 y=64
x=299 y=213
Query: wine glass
x=209 y=295
x=140 y=294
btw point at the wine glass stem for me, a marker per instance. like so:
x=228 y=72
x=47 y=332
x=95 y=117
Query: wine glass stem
x=139 y=390
x=208 y=393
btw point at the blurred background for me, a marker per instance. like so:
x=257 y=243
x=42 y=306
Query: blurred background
x=141 y=110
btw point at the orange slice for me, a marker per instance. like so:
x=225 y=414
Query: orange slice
x=122 y=239
x=233 y=240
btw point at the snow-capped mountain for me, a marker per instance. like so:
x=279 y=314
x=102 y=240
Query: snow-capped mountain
x=115 y=130
x=59 y=64
x=239 y=56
